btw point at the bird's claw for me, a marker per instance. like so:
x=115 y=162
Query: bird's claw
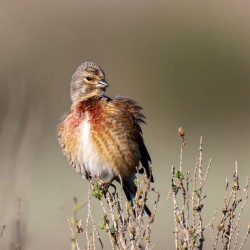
x=105 y=186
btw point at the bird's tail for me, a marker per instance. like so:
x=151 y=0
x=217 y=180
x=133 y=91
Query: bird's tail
x=130 y=190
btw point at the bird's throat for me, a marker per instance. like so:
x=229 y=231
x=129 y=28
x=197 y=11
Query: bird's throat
x=91 y=109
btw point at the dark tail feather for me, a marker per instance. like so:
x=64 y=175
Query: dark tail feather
x=147 y=210
x=130 y=196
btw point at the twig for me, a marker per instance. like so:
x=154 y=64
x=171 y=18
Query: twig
x=246 y=190
x=2 y=230
x=245 y=237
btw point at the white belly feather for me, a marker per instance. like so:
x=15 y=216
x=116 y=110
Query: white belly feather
x=89 y=157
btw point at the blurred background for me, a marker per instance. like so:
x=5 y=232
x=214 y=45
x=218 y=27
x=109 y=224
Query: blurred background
x=186 y=62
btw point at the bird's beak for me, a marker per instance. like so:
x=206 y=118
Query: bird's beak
x=103 y=83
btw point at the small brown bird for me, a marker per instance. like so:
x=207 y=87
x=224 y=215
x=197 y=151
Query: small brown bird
x=100 y=136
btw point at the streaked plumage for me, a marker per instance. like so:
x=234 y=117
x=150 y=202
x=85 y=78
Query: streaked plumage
x=100 y=136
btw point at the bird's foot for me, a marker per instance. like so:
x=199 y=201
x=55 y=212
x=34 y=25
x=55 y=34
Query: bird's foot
x=105 y=186
x=88 y=176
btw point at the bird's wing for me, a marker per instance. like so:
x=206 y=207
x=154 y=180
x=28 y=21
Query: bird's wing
x=129 y=115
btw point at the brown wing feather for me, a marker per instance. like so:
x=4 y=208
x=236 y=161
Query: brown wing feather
x=128 y=114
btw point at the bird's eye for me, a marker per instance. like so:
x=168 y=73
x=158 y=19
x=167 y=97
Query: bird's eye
x=89 y=78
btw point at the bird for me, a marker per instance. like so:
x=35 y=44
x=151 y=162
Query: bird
x=102 y=137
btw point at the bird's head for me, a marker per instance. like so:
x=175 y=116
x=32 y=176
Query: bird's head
x=88 y=81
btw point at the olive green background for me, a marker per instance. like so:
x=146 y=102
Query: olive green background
x=186 y=62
